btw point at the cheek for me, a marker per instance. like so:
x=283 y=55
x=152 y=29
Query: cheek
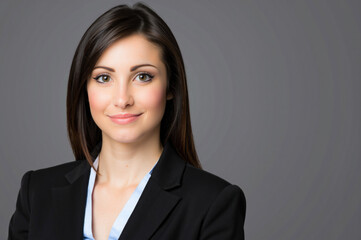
x=97 y=100
x=154 y=99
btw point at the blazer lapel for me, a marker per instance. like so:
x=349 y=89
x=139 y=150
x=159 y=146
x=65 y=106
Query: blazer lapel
x=154 y=205
x=69 y=203
x=156 y=202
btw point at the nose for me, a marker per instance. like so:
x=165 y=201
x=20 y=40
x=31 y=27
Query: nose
x=122 y=96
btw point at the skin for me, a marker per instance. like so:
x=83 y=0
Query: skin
x=129 y=151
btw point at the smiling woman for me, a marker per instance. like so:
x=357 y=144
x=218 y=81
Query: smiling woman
x=128 y=87
x=136 y=174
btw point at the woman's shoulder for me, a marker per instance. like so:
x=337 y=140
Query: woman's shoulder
x=203 y=183
x=52 y=175
x=203 y=177
x=59 y=169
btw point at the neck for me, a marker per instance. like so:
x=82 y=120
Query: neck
x=124 y=164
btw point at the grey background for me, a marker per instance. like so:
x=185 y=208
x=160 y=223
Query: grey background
x=274 y=97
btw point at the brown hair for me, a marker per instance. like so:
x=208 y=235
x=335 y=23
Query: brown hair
x=116 y=23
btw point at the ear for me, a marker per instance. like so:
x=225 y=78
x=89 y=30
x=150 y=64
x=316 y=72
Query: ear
x=169 y=96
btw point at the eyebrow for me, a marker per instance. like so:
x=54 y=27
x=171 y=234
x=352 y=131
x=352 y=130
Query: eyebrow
x=131 y=69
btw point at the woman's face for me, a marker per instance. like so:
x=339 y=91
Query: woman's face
x=129 y=78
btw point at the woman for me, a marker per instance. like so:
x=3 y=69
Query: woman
x=137 y=174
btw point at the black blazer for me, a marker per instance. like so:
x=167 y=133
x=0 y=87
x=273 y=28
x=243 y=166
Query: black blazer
x=178 y=202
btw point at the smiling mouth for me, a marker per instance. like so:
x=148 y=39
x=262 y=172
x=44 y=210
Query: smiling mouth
x=125 y=115
x=124 y=118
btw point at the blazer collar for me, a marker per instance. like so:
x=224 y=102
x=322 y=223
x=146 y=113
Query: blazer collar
x=169 y=170
x=167 y=173
x=155 y=203
x=83 y=167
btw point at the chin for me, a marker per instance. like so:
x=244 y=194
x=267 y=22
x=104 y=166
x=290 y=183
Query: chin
x=124 y=137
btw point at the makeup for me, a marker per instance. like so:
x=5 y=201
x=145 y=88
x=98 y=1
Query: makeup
x=124 y=120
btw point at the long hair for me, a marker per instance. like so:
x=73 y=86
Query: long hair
x=116 y=23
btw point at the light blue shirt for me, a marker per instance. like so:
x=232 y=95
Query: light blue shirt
x=123 y=216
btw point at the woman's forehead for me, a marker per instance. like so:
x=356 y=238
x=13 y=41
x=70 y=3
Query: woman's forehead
x=131 y=50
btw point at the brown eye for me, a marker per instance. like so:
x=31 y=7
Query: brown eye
x=144 y=77
x=102 y=78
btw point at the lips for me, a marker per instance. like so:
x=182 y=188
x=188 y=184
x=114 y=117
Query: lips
x=125 y=115
x=124 y=118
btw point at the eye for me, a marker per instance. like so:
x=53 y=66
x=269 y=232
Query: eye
x=145 y=77
x=102 y=78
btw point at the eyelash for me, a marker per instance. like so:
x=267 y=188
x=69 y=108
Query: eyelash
x=150 y=77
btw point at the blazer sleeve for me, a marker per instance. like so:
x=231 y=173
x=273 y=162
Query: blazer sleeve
x=225 y=218
x=19 y=222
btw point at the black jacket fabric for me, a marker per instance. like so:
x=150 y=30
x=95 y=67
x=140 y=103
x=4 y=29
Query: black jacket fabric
x=179 y=202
